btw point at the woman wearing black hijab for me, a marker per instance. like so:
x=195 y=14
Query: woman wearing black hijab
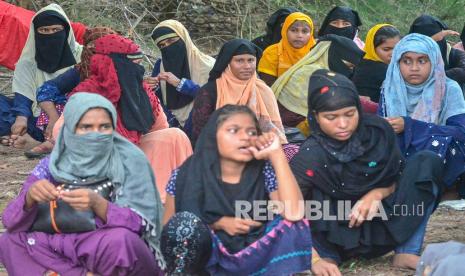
x=353 y=159
x=273 y=28
x=454 y=60
x=342 y=21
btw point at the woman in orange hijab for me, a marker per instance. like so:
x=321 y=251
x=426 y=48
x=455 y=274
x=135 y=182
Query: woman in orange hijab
x=233 y=80
x=297 y=40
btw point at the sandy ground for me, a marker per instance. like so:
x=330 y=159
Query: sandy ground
x=444 y=225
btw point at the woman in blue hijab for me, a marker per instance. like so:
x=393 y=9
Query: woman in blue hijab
x=425 y=107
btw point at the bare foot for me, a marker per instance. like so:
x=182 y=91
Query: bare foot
x=5 y=140
x=45 y=147
x=409 y=261
x=23 y=142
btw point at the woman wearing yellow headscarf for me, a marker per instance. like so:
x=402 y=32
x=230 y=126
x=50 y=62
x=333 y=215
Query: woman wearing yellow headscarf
x=297 y=40
x=371 y=72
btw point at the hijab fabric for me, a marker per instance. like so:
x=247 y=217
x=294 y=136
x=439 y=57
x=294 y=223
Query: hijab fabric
x=283 y=50
x=361 y=161
x=344 y=13
x=370 y=51
x=108 y=156
x=429 y=25
x=90 y=36
x=199 y=185
x=252 y=92
x=52 y=50
x=433 y=101
x=274 y=26
x=117 y=78
x=193 y=65
x=291 y=89
x=28 y=77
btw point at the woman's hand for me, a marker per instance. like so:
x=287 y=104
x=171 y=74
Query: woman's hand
x=49 y=130
x=235 y=226
x=153 y=82
x=265 y=146
x=82 y=199
x=20 y=126
x=397 y=124
x=41 y=191
x=365 y=208
x=442 y=34
x=169 y=78
x=325 y=268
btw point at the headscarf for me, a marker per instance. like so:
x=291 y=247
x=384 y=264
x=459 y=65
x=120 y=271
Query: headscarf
x=199 y=185
x=108 y=156
x=330 y=91
x=274 y=26
x=253 y=92
x=433 y=101
x=183 y=59
x=370 y=51
x=117 y=78
x=52 y=50
x=344 y=13
x=429 y=25
x=27 y=75
x=90 y=36
x=330 y=171
x=291 y=88
x=285 y=53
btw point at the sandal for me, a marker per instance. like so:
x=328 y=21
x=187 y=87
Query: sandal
x=39 y=151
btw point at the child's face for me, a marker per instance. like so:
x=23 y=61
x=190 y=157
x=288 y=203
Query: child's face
x=339 y=124
x=415 y=67
x=234 y=136
x=298 y=34
x=384 y=50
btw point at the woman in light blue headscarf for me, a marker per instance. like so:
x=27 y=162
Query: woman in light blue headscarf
x=424 y=106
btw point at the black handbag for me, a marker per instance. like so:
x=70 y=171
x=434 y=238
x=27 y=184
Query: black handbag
x=59 y=217
x=294 y=135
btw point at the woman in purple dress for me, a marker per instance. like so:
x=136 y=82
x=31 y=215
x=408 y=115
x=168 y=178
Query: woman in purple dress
x=126 y=236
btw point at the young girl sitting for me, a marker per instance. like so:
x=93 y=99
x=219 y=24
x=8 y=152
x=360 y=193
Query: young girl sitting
x=297 y=40
x=351 y=164
x=371 y=71
x=229 y=168
x=424 y=106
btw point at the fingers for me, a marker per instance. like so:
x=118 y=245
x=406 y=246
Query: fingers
x=357 y=217
x=265 y=140
x=43 y=191
x=252 y=223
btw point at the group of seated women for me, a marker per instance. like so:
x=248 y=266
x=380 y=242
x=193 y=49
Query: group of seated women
x=192 y=171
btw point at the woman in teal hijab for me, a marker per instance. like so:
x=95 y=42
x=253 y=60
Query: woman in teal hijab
x=127 y=224
x=425 y=107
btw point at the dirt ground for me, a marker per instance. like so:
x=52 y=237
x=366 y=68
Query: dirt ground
x=445 y=224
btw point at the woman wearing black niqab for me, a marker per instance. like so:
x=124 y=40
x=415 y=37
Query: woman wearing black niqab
x=366 y=166
x=346 y=14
